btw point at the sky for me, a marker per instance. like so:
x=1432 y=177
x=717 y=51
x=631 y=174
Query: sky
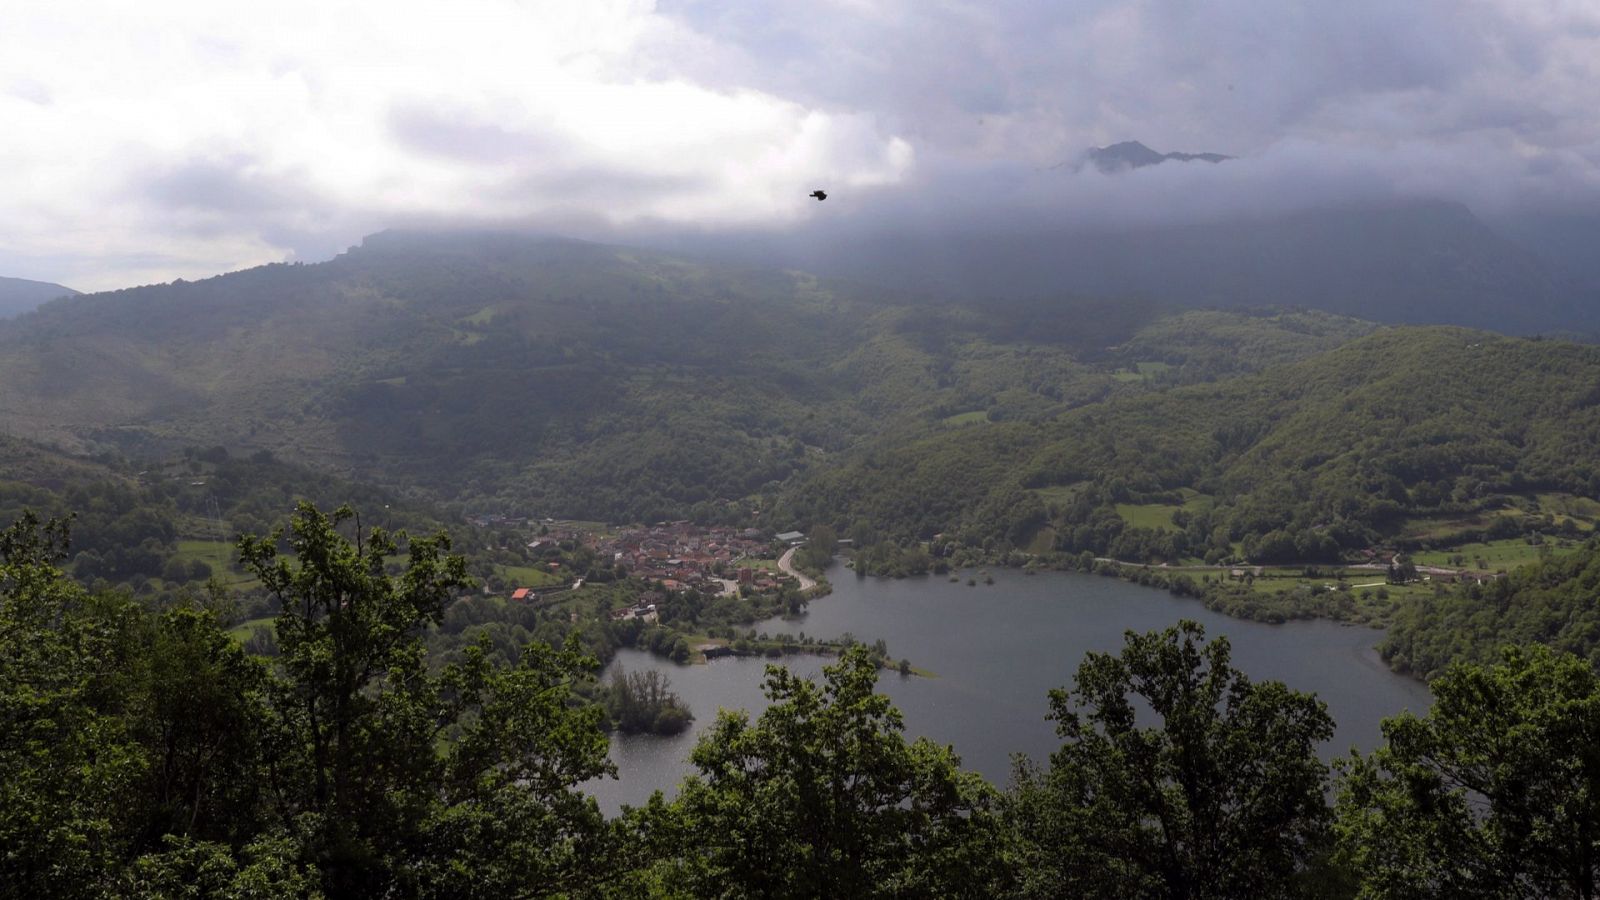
x=152 y=140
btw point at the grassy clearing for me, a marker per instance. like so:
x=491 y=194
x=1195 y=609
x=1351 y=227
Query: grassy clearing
x=243 y=630
x=1148 y=515
x=1493 y=556
x=1567 y=506
x=971 y=417
x=213 y=552
x=218 y=555
x=1159 y=515
x=529 y=576
x=1043 y=541
x=1562 y=508
x=1444 y=528
x=1143 y=371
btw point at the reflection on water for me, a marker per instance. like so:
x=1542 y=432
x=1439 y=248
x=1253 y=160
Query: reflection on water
x=996 y=650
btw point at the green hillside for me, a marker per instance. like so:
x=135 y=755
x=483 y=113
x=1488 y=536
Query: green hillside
x=1549 y=602
x=566 y=378
x=1302 y=462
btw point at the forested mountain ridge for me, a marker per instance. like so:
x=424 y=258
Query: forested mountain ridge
x=574 y=378
x=1303 y=461
x=19 y=295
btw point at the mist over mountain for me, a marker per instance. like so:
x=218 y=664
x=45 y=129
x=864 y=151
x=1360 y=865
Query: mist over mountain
x=1134 y=155
x=1567 y=240
x=19 y=295
x=1414 y=262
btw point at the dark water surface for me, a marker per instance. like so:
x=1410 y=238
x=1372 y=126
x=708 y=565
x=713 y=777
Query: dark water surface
x=996 y=650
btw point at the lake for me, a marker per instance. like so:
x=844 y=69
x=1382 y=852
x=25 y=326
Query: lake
x=995 y=651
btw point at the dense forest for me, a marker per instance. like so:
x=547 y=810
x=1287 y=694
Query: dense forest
x=1304 y=462
x=145 y=753
x=571 y=379
x=1551 y=602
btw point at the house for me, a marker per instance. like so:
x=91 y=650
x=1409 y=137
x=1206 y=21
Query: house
x=792 y=538
x=520 y=595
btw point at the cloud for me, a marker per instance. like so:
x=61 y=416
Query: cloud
x=180 y=138
x=194 y=137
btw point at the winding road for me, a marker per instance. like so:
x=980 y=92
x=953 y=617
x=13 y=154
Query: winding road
x=786 y=566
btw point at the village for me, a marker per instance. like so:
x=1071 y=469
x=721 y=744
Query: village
x=672 y=556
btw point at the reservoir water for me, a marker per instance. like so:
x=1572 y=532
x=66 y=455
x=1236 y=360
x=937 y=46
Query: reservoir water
x=995 y=651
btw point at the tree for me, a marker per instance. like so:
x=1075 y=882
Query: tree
x=1494 y=793
x=1221 y=797
x=1402 y=570
x=645 y=702
x=819 y=548
x=394 y=780
x=66 y=761
x=823 y=797
x=197 y=707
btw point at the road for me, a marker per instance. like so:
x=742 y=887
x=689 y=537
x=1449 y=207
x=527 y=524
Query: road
x=786 y=566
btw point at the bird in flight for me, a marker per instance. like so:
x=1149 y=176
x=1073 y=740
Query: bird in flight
x=820 y=195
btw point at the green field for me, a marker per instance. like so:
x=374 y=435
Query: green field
x=242 y=630
x=1444 y=528
x=971 y=417
x=529 y=576
x=1562 y=508
x=1496 y=555
x=1582 y=510
x=211 y=551
x=1159 y=515
x=1043 y=541
x=219 y=555
x=1143 y=371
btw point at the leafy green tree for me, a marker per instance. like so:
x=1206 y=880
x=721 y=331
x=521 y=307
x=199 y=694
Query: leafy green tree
x=819 y=548
x=823 y=797
x=1223 y=796
x=265 y=869
x=67 y=763
x=1494 y=793
x=197 y=706
x=392 y=780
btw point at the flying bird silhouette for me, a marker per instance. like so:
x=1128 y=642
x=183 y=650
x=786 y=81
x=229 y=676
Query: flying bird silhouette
x=820 y=195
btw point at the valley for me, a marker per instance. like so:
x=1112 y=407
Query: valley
x=1275 y=463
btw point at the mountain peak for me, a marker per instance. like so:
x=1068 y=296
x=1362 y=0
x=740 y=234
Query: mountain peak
x=1135 y=155
x=19 y=295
